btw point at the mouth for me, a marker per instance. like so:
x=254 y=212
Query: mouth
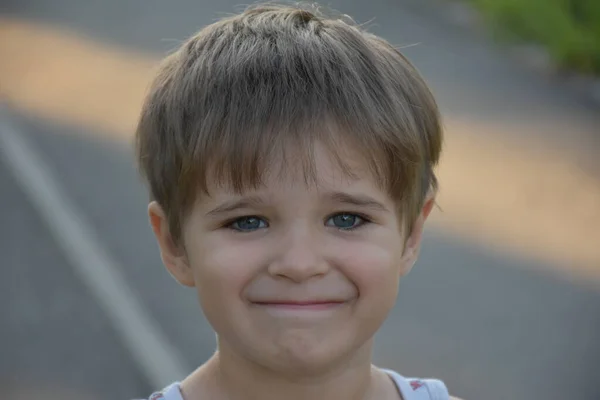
x=300 y=305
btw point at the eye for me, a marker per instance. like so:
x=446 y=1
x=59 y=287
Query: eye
x=345 y=221
x=248 y=224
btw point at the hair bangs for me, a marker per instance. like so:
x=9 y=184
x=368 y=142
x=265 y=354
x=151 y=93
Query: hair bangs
x=292 y=93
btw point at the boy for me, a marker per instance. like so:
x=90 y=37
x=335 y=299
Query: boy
x=290 y=162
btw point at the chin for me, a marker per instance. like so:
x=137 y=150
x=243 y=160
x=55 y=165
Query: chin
x=301 y=366
x=305 y=358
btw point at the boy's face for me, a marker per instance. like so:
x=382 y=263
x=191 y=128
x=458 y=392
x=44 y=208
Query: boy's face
x=294 y=276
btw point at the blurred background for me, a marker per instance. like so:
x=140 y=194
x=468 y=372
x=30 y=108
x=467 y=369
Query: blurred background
x=503 y=304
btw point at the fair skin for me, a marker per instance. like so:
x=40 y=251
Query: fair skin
x=295 y=278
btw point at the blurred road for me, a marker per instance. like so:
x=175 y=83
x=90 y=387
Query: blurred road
x=504 y=303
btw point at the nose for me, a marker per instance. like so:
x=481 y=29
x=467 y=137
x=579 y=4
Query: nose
x=299 y=258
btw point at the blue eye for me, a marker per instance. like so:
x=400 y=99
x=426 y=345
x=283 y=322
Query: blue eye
x=345 y=221
x=248 y=224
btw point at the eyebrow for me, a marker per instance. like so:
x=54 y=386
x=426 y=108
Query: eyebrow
x=357 y=200
x=236 y=204
x=256 y=201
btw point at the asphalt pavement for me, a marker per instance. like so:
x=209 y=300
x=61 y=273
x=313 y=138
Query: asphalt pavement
x=489 y=322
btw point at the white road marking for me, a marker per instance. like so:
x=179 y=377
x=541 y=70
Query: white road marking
x=154 y=354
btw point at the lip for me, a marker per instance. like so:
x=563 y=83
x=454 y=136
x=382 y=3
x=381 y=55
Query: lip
x=300 y=305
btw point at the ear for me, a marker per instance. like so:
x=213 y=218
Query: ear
x=413 y=243
x=173 y=256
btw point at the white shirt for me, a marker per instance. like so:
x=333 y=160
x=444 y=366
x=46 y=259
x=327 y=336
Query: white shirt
x=410 y=388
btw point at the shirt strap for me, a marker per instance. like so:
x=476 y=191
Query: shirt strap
x=171 y=392
x=419 y=389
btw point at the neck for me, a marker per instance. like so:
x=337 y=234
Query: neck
x=229 y=376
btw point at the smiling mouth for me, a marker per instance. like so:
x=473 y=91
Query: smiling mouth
x=300 y=305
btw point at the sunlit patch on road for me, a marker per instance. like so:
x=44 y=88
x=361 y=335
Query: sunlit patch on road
x=55 y=74
x=499 y=193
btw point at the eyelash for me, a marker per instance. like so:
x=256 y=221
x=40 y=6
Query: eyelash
x=230 y=223
x=364 y=220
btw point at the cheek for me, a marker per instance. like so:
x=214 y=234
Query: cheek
x=223 y=267
x=373 y=266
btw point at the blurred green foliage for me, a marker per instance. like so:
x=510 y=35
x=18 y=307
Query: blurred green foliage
x=569 y=29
